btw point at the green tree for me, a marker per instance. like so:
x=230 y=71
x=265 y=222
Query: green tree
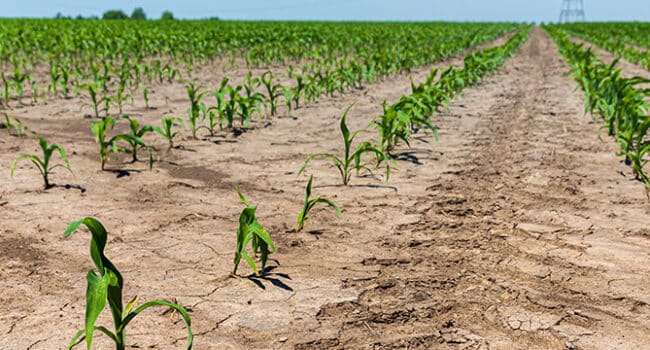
x=114 y=14
x=138 y=13
x=167 y=15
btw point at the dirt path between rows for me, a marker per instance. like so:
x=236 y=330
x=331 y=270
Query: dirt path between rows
x=518 y=230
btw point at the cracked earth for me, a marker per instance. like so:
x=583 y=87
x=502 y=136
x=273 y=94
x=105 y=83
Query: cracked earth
x=519 y=229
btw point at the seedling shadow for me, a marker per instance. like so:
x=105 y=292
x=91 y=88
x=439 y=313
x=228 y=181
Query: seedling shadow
x=316 y=233
x=410 y=156
x=218 y=142
x=182 y=148
x=238 y=131
x=393 y=188
x=69 y=186
x=272 y=277
x=120 y=173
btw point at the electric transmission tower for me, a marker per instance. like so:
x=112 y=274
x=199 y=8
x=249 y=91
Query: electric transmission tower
x=572 y=11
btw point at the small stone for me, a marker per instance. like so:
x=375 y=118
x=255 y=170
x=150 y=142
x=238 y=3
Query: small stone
x=543 y=273
x=283 y=339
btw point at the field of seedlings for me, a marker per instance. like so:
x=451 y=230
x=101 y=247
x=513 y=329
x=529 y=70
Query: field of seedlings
x=324 y=185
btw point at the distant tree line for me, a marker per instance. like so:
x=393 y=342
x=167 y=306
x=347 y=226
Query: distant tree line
x=137 y=14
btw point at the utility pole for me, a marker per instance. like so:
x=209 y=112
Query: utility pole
x=572 y=11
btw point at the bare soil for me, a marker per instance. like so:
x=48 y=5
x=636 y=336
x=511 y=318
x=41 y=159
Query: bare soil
x=519 y=229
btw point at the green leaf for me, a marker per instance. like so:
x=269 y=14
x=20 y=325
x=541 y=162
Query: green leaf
x=181 y=310
x=96 y=294
x=329 y=203
x=37 y=161
x=335 y=160
x=241 y=196
x=250 y=262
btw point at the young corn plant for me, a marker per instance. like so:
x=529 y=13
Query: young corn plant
x=231 y=107
x=250 y=230
x=168 y=130
x=310 y=203
x=298 y=91
x=136 y=142
x=215 y=114
x=252 y=101
x=194 y=112
x=96 y=101
x=16 y=124
x=288 y=97
x=352 y=158
x=55 y=77
x=65 y=75
x=273 y=91
x=105 y=285
x=400 y=119
x=100 y=130
x=43 y=164
x=19 y=80
x=35 y=90
x=145 y=95
x=247 y=106
x=122 y=96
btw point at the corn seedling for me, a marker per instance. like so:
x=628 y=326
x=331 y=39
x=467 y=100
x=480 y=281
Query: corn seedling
x=215 y=114
x=288 y=97
x=105 y=286
x=194 y=112
x=249 y=105
x=96 y=101
x=231 y=107
x=35 y=89
x=168 y=130
x=298 y=90
x=43 y=164
x=100 y=130
x=273 y=91
x=55 y=77
x=19 y=80
x=401 y=118
x=310 y=203
x=16 y=124
x=122 y=97
x=252 y=102
x=65 y=75
x=351 y=158
x=145 y=95
x=250 y=230
x=136 y=142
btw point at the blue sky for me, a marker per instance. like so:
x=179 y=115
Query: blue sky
x=456 y=10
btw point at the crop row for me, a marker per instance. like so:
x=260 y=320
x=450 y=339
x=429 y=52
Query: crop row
x=413 y=111
x=111 y=60
x=628 y=40
x=620 y=103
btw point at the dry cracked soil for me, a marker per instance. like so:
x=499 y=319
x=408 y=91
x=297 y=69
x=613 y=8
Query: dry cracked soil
x=519 y=229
